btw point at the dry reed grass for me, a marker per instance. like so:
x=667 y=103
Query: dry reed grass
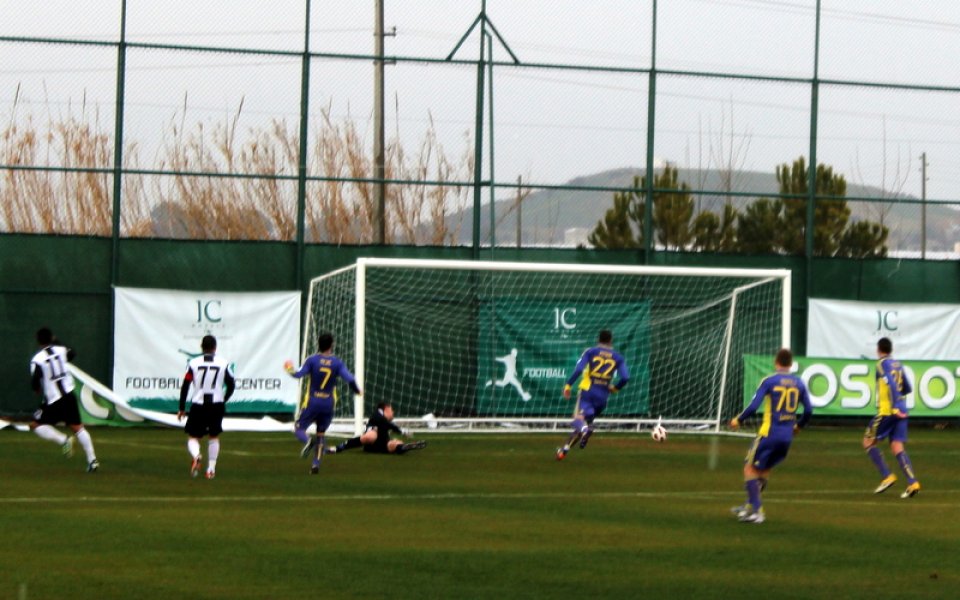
x=259 y=205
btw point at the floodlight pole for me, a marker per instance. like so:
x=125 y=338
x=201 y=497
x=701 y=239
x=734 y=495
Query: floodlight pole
x=484 y=23
x=493 y=190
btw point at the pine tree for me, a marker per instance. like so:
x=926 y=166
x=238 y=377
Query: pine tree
x=759 y=227
x=672 y=211
x=864 y=239
x=622 y=225
x=618 y=227
x=830 y=215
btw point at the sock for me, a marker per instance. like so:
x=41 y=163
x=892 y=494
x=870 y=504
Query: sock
x=353 y=442
x=763 y=483
x=906 y=466
x=318 y=449
x=213 y=451
x=86 y=442
x=877 y=457
x=301 y=435
x=753 y=493
x=49 y=433
x=193 y=447
x=401 y=449
x=578 y=428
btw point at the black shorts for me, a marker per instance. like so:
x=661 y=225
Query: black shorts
x=205 y=419
x=64 y=410
x=377 y=447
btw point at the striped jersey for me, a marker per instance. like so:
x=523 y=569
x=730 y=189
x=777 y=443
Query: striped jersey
x=50 y=375
x=780 y=396
x=211 y=379
x=892 y=387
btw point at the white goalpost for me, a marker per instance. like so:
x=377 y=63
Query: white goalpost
x=486 y=346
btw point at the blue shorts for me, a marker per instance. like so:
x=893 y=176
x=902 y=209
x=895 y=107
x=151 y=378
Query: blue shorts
x=766 y=453
x=321 y=415
x=590 y=408
x=887 y=427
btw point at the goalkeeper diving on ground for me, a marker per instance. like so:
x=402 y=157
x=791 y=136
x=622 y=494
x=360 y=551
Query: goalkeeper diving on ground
x=376 y=435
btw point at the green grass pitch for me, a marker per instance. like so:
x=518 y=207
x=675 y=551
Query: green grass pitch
x=474 y=517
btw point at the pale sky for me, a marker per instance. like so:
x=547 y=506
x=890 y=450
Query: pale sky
x=551 y=125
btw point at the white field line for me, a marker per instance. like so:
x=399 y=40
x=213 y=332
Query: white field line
x=830 y=497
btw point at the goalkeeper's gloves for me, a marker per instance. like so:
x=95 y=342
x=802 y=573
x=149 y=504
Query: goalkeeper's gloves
x=566 y=391
x=288 y=366
x=734 y=423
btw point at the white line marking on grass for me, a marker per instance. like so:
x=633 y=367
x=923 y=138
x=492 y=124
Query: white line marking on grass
x=706 y=496
x=180 y=448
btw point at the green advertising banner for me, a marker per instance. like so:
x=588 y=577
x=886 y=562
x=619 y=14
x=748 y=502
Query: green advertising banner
x=528 y=349
x=845 y=387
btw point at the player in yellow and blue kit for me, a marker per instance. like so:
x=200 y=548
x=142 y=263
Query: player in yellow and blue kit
x=324 y=369
x=890 y=421
x=780 y=395
x=598 y=365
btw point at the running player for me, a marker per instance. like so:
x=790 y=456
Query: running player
x=890 y=421
x=54 y=383
x=780 y=395
x=598 y=366
x=376 y=435
x=213 y=384
x=324 y=369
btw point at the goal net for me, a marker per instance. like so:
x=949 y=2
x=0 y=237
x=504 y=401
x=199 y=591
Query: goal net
x=488 y=345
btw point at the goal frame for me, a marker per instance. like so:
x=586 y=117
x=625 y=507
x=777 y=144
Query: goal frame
x=362 y=264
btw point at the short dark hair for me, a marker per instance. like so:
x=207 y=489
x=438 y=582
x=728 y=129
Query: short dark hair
x=324 y=341
x=44 y=336
x=784 y=357
x=383 y=405
x=885 y=345
x=605 y=337
x=208 y=343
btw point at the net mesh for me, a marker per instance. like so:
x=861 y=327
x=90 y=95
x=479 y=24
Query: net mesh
x=495 y=346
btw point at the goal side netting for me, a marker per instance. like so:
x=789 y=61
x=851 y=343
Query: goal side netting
x=488 y=345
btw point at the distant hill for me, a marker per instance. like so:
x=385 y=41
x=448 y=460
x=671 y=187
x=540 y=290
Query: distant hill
x=564 y=217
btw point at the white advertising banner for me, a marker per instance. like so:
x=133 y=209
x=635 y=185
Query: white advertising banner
x=850 y=329
x=156 y=332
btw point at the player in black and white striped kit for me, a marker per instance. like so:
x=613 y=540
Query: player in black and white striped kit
x=212 y=381
x=54 y=383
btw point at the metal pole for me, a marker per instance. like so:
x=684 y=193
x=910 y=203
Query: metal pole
x=118 y=145
x=478 y=127
x=812 y=174
x=519 y=209
x=302 y=162
x=493 y=203
x=651 y=118
x=117 y=169
x=380 y=204
x=923 y=206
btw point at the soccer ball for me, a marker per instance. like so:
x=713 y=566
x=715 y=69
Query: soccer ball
x=659 y=434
